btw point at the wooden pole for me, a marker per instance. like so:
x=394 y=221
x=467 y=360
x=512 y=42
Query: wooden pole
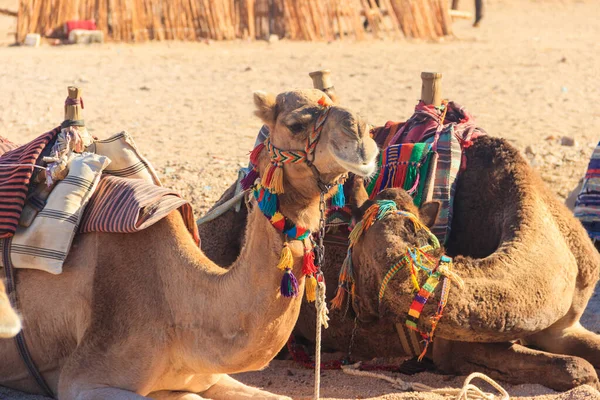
x=431 y=88
x=74 y=112
x=322 y=81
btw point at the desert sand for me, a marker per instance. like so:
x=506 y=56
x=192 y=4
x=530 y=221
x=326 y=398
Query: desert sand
x=529 y=74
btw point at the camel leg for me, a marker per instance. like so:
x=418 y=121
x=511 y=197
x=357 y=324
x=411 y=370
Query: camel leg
x=574 y=340
x=103 y=394
x=168 y=395
x=514 y=364
x=228 y=388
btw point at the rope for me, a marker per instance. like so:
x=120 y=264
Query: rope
x=322 y=320
x=468 y=391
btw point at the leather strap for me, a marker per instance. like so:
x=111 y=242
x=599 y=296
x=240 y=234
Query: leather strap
x=20 y=338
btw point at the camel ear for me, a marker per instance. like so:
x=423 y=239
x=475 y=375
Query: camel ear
x=429 y=212
x=266 y=106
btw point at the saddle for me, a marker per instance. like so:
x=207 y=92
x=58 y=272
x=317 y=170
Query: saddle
x=104 y=186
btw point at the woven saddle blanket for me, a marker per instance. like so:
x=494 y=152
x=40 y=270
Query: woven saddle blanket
x=423 y=156
x=108 y=188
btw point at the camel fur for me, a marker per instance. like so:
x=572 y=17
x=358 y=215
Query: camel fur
x=148 y=315
x=528 y=265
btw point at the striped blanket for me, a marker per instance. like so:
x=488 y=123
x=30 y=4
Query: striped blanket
x=437 y=165
x=16 y=170
x=84 y=201
x=121 y=205
x=587 y=206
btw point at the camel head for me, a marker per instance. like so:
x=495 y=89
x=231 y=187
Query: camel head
x=10 y=324
x=384 y=244
x=333 y=139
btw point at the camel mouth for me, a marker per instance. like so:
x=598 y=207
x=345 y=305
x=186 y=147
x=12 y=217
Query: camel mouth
x=365 y=170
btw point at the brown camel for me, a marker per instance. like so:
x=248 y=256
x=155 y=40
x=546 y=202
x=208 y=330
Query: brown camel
x=529 y=270
x=148 y=315
x=10 y=324
x=528 y=265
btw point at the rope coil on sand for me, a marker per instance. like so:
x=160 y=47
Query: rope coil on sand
x=468 y=391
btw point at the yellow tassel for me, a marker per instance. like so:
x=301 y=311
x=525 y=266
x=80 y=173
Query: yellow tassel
x=277 y=181
x=415 y=282
x=286 y=260
x=311 y=289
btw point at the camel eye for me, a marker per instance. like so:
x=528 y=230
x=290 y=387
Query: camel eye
x=296 y=128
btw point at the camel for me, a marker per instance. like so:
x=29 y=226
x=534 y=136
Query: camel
x=528 y=265
x=10 y=324
x=148 y=315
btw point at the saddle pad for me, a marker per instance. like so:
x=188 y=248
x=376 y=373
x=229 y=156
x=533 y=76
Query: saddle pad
x=44 y=245
x=587 y=205
x=16 y=169
x=126 y=160
x=447 y=139
x=122 y=205
x=405 y=166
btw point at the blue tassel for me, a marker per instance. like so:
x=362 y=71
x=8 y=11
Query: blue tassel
x=289 y=284
x=339 y=200
x=268 y=204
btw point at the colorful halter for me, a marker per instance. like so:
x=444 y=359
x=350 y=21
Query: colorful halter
x=415 y=260
x=273 y=176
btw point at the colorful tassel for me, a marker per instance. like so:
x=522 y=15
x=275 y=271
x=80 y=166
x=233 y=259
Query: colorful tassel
x=289 y=284
x=276 y=183
x=311 y=288
x=266 y=180
x=286 y=259
x=339 y=298
x=308 y=262
x=345 y=281
x=248 y=181
x=255 y=153
x=338 y=200
x=268 y=203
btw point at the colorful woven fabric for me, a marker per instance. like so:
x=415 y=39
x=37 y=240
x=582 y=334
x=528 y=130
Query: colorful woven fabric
x=587 y=206
x=447 y=139
x=403 y=166
x=121 y=205
x=16 y=170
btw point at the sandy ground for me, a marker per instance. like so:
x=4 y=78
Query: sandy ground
x=530 y=74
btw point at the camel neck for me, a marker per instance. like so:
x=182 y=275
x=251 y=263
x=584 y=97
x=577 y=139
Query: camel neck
x=250 y=321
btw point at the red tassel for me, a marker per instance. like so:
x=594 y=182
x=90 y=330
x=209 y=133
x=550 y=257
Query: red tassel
x=255 y=153
x=308 y=263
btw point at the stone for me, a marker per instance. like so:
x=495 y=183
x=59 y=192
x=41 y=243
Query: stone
x=567 y=141
x=529 y=150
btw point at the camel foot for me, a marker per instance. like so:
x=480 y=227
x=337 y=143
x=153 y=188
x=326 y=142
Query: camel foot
x=514 y=364
x=231 y=389
x=574 y=340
